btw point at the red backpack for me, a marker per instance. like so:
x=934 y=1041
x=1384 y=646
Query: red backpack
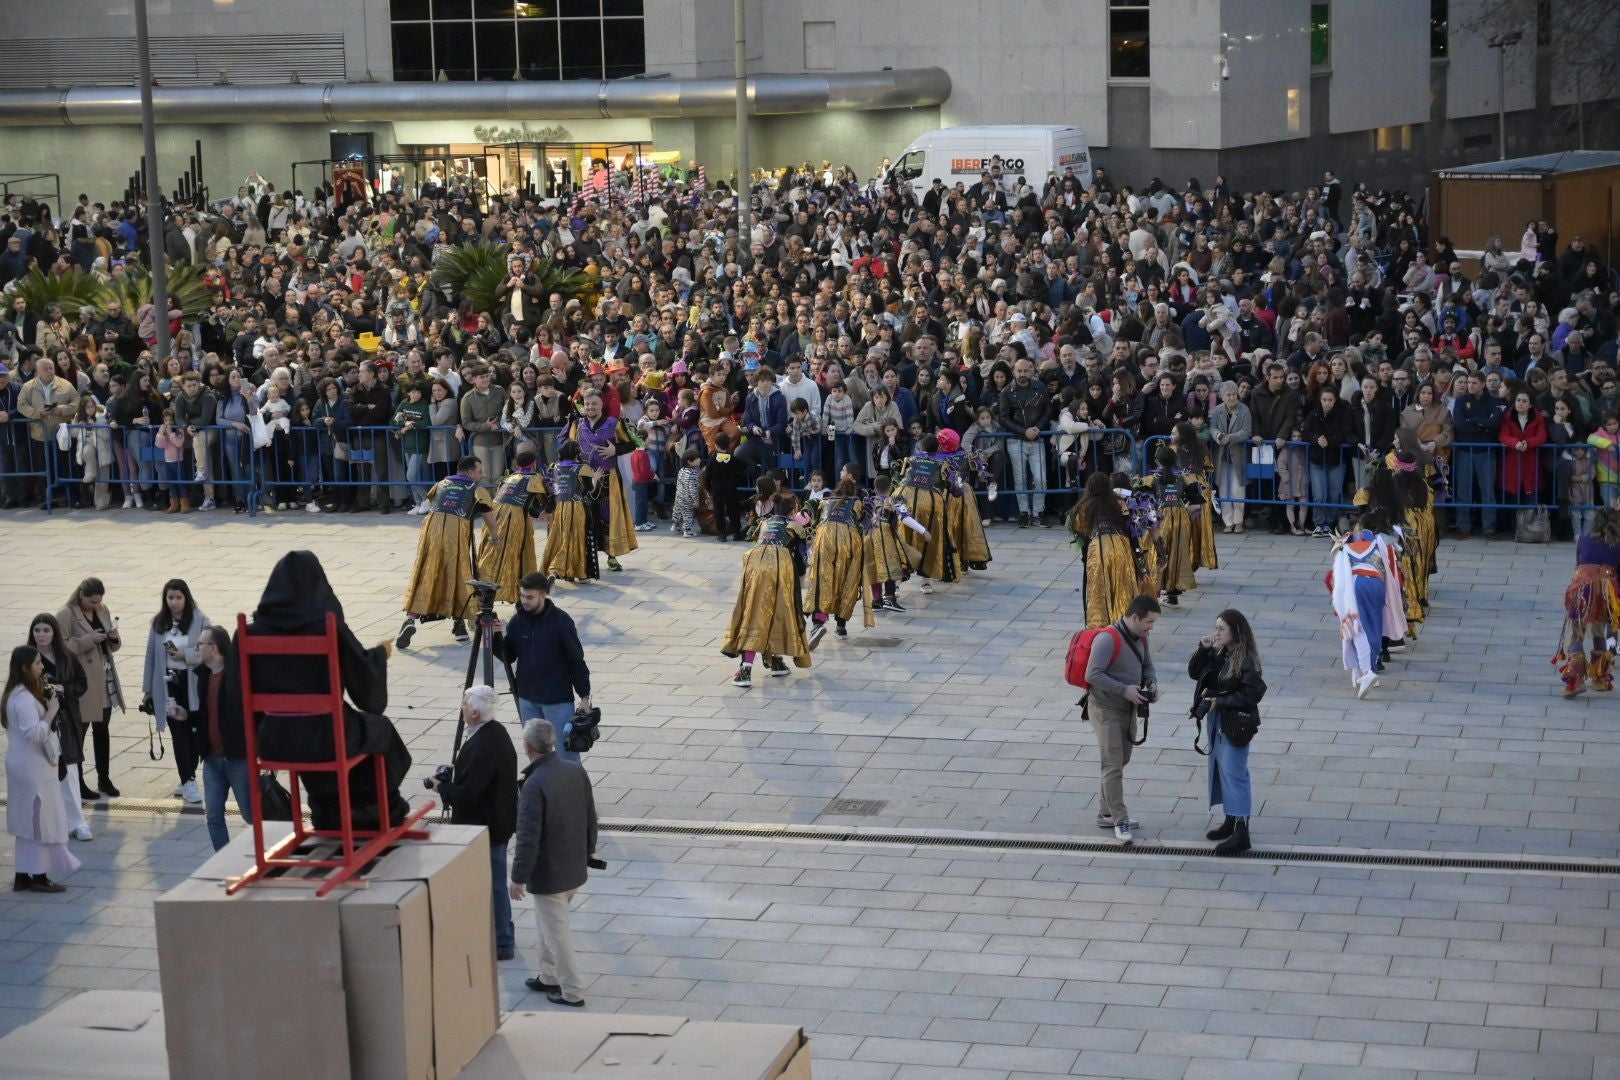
x=1074 y=667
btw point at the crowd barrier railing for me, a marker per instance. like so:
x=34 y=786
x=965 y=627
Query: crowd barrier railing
x=305 y=464
x=24 y=461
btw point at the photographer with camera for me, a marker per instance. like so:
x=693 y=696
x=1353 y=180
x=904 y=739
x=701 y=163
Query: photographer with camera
x=1122 y=685
x=544 y=646
x=481 y=789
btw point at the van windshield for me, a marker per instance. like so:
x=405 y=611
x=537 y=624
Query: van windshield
x=910 y=166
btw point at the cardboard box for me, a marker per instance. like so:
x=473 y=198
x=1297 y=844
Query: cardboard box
x=551 y=1045
x=98 y=1035
x=392 y=980
x=119 y=1035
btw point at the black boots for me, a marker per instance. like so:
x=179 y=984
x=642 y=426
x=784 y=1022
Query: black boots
x=1238 y=842
x=101 y=749
x=1223 y=830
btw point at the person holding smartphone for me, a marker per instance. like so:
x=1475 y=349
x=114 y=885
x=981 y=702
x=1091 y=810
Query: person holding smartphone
x=92 y=636
x=169 y=683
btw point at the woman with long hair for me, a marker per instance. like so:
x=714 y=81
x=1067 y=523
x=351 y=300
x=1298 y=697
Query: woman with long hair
x=29 y=713
x=1100 y=527
x=45 y=634
x=1592 y=608
x=1192 y=457
x=91 y=633
x=169 y=682
x=1225 y=669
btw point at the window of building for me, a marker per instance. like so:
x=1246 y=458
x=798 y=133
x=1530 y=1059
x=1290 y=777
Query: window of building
x=1439 y=28
x=1321 y=35
x=527 y=39
x=1387 y=139
x=1128 y=39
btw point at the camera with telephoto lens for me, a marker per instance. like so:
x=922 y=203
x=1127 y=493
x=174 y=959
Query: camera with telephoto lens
x=1142 y=706
x=441 y=775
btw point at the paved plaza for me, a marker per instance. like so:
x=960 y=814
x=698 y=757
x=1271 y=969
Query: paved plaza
x=981 y=959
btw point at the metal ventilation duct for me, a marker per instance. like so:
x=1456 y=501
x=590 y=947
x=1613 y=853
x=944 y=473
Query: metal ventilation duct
x=770 y=95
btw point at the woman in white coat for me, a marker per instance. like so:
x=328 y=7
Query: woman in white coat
x=34 y=811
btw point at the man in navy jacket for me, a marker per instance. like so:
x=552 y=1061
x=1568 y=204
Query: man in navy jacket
x=544 y=645
x=765 y=417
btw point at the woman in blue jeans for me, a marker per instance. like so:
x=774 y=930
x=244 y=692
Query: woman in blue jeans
x=1326 y=430
x=1226 y=670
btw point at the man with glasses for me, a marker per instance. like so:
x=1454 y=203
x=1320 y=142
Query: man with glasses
x=1401 y=394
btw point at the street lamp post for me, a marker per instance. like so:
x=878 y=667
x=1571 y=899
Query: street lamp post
x=1501 y=43
x=745 y=210
x=154 y=193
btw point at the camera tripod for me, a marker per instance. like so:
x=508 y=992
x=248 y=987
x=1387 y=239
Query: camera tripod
x=485 y=646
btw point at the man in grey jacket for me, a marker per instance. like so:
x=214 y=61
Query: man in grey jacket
x=481 y=420
x=196 y=412
x=1122 y=679
x=556 y=836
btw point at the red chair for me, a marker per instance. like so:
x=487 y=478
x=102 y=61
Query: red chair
x=356 y=847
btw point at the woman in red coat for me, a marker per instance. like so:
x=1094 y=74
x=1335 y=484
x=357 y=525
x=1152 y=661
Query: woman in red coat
x=1523 y=432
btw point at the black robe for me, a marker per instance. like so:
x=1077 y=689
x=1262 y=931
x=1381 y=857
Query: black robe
x=296 y=600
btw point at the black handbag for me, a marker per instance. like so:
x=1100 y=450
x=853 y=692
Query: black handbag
x=1239 y=724
x=583 y=731
x=275 y=804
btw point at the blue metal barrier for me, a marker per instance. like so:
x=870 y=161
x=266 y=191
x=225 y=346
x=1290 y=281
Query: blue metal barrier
x=24 y=461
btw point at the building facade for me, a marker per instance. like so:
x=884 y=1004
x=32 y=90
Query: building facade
x=1266 y=92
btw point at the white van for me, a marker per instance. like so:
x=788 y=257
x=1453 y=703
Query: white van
x=1032 y=151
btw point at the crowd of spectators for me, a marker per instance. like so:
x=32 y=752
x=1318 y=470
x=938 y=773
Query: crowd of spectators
x=1056 y=328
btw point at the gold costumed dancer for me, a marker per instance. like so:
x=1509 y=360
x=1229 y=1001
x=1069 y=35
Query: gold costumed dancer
x=1592 y=608
x=1177 y=492
x=444 y=551
x=766 y=618
x=923 y=487
x=1192 y=456
x=840 y=574
x=601 y=440
x=519 y=498
x=963 y=472
x=574 y=541
x=1103 y=531
x=891 y=557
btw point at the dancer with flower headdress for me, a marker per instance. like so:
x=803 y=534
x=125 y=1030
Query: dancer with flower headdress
x=961 y=503
x=923 y=485
x=1366 y=597
x=1592 y=608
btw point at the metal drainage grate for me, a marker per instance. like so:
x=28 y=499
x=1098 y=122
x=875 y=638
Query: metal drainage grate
x=855 y=807
x=832 y=834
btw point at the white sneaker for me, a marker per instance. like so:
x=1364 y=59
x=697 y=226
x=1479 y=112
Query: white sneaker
x=139 y=505
x=208 y=504
x=424 y=506
x=1366 y=683
x=129 y=502
x=82 y=832
x=199 y=477
x=312 y=507
x=189 y=792
x=179 y=789
x=1123 y=834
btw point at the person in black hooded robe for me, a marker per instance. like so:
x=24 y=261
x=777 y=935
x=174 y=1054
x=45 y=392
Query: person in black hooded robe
x=296 y=600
